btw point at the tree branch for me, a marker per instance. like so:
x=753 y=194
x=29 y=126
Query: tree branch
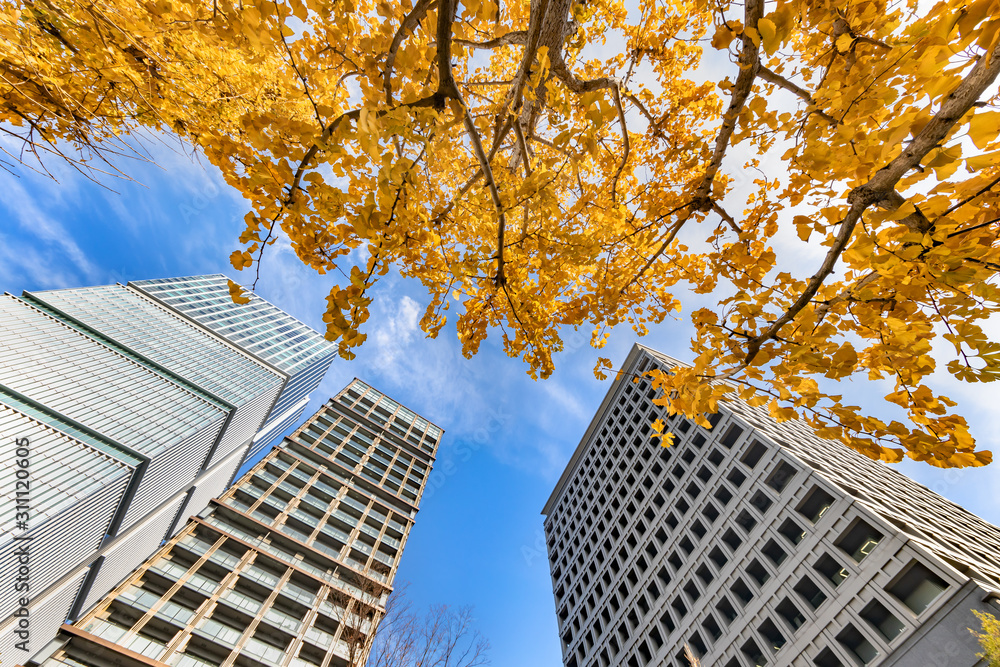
x=560 y=69
x=749 y=67
x=881 y=186
x=515 y=37
x=409 y=23
x=778 y=80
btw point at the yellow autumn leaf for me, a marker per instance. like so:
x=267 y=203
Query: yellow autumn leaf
x=983 y=128
x=236 y=293
x=768 y=35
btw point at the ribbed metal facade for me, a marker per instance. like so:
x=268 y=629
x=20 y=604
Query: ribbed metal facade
x=135 y=416
x=276 y=427
x=294 y=563
x=47 y=612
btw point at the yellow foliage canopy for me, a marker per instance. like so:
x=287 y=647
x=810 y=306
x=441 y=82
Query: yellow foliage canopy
x=553 y=163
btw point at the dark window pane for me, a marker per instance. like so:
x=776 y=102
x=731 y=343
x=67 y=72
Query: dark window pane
x=810 y=592
x=754 y=454
x=831 y=569
x=859 y=540
x=815 y=504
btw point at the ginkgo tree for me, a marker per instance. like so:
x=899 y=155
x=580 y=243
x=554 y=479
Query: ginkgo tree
x=557 y=164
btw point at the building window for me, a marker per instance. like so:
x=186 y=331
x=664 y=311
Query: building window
x=826 y=658
x=727 y=610
x=815 y=504
x=698 y=645
x=792 y=531
x=736 y=477
x=781 y=476
x=718 y=557
x=732 y=539
x=757 y=572
x=679 y=607
x=712 y=627
x=742 y=592
x=723 y=495
x=918 y=587
x=753 y=653
x=774 y=552
x=791 y=614
x=761 y=501
x=859 y=541
x=754 y=454
x=746 y=521
x=810 y=592
x=855 y=642
x=732 y=435
x=882 y=620
x=834 y=572
x=773 y=638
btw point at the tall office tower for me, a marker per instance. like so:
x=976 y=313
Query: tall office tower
x=290 y=567
x=259 y=328
x=755 y=543
x=119 y=417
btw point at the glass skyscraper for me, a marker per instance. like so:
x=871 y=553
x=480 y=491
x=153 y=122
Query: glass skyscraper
x=291 y=567
x=119 y=417
x=258 y=328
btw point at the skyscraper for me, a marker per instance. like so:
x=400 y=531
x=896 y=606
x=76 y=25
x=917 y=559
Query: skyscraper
x=292 y=566
x=755 y=543
x=118 y=417
x=258 y=328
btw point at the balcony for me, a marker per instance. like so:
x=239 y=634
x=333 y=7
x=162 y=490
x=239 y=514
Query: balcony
x=283 y=621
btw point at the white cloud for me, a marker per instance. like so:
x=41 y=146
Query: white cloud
x=59 y=243
x=394 y=335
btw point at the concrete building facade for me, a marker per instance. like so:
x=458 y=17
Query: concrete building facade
x=118 y=418
x=292 y=566
x=755 y=543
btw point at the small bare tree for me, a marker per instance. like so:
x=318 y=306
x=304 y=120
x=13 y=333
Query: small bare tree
x=360 y=612
x=442 y=637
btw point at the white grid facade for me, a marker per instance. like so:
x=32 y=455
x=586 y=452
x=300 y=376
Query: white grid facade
x=752 y=544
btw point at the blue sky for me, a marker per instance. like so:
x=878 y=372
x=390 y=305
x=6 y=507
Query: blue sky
x=478 y=539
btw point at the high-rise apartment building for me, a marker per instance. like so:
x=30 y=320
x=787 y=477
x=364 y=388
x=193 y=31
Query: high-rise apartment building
x=755 y=543
x=292 y=566
x=119 y=417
